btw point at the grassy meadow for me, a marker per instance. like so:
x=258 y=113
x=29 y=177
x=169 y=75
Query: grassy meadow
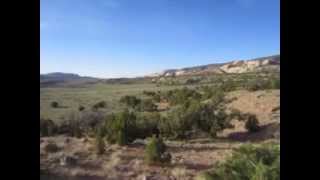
x=70 y=99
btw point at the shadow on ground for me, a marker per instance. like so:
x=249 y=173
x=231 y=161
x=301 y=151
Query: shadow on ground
x=268 y=131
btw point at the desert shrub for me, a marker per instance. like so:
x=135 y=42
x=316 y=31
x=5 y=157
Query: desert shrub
x=254 y=84
x=146 y=125
x=193 y=81
x=101 y=104
x=90 y=120
x=51 y=147
x=204 y=176
x=194 y=116
x=228 y=85
x=148 y=93
x=250 y=162
x=207 y=92
x=252 y=124
x=54 y=104
x=99 y=143
x=181 y=96
x=155 y=96
x=130 y=101
x=121 y=128
x=215 y=94
x=275 y=83
x=47 y=127
x=155 y=152
x=71 y=126
x=147 y=105
x=81 y=108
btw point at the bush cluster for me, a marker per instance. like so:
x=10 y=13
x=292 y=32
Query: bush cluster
x=54 y=104
x=74 y=124
x=155 y=152
x=261 y=84
x=194 y=117
x=250 y=162
x=138 y=104
x=252 y=124
x=101 y=104
x=47 y=127
x=130 y=101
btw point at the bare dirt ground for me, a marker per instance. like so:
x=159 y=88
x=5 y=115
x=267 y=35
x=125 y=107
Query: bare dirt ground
x=127 y=162
x=265 y=105
x=188 y=158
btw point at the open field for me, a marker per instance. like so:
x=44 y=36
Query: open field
x=71 y=98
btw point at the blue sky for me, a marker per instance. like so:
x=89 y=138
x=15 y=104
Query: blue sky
x=127 y=38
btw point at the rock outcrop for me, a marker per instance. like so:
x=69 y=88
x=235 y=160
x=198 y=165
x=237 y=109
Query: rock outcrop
x=271 y=63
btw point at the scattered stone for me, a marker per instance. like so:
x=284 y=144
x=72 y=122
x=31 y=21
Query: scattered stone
x=68 y=161
x=166 y=157
x=85 y=140
x=136 y=164
x=145 y=177
x=67 y=140
x=139 y=142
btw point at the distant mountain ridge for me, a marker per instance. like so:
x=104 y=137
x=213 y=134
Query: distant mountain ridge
x=268 y=63
x=63 y=79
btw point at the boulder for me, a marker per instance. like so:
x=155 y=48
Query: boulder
x=67 y=160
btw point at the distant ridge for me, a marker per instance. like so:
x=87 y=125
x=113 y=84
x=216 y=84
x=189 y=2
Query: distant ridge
x=270 y=63
x=65 y=79
x=267 y=63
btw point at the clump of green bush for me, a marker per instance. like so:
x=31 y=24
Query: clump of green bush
x=204 y=176
x=252 y=124
x=181 y=96
x=71 y=125
x=51 y=147
x=99 y=143
x=194 y=116
x=119 y=128
x=47 y=127
x=54 y=104
x=101 y=104
x=130 y=101
x=250 y=162
x=255 y=84
x=147 y=105
x=155 y=152
x=81 y=108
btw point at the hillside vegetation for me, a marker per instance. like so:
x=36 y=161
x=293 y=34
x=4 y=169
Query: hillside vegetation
x=171 y=127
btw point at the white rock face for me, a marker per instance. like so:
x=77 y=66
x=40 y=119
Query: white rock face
x=239 y=66
x=266 y=62
x=181 y=72
x=237 y=63
x=244 y=66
